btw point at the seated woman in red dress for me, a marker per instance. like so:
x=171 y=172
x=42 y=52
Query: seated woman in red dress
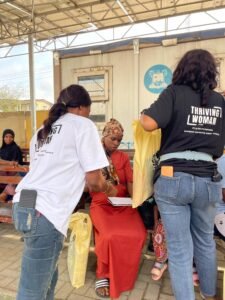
x=119 y=231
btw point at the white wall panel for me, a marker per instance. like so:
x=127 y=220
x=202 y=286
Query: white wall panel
x=123 y=103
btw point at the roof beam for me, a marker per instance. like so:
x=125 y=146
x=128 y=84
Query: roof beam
x=22 y=20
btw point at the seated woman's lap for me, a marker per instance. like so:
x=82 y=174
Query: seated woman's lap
x=111 y=221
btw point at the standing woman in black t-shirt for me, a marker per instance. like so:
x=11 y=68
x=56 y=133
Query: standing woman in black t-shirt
x=191 y=117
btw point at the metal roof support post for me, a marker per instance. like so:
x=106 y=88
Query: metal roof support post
x=32 y=84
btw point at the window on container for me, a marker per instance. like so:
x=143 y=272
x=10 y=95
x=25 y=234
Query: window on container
x=98 y=112
x=94 y=84
x=95 y=81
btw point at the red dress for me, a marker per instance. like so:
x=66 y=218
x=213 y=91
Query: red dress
x=119 y=233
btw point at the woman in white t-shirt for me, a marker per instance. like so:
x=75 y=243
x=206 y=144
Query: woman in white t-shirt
x=65 y=153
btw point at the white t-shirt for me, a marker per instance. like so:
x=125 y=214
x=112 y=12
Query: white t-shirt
x=58 y=167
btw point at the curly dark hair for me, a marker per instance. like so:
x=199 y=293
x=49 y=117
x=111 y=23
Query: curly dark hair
x=73 y=96
x=197 y=69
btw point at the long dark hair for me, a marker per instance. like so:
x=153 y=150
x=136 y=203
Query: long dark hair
x=73 y=96
x=197 y=69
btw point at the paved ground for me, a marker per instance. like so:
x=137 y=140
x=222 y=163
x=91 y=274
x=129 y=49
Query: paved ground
x=145 y=288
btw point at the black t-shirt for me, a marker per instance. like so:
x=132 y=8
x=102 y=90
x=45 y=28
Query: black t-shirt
x=186 y=125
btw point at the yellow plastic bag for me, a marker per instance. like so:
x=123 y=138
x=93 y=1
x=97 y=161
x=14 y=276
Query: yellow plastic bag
x=146 y=144
x=78 y=250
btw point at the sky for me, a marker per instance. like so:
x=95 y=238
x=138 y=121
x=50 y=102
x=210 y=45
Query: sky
x=14 y=71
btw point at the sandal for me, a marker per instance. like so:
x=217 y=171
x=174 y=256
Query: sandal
x=102 y=285
x=158 y=270
x=202 y=296
x=205 y=298
x=195 y=277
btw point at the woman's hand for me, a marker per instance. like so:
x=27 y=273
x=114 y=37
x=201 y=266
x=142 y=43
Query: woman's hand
x=111 y=190
x=130 y=188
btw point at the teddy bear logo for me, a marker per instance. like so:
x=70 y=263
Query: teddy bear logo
x=157 y=78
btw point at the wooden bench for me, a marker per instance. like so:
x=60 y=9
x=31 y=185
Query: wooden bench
x=5 y=208
x=9 y=178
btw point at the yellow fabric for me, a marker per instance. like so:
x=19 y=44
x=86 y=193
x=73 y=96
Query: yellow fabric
x=146 y=144
x=78 y=250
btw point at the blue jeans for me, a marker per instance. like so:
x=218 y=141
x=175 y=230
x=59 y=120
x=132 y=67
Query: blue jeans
x=42 y=247
x=187 y=205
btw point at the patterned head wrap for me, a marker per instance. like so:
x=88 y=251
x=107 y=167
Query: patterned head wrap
x=113 y=127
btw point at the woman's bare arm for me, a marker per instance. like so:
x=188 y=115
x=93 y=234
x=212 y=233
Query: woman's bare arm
x=148 y=123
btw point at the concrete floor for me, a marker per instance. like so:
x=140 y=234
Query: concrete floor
x=145 y=288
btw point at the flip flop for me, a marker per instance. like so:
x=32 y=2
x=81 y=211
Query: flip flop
x=203 y=297
x=158 y=270
x=102 y=284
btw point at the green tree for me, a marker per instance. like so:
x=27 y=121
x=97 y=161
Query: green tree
x=9 y=98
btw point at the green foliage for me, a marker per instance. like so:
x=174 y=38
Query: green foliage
x=9 y=98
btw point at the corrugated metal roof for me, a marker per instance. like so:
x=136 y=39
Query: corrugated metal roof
x=54 y=18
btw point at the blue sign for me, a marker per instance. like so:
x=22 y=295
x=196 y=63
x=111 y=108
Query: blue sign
x=157 y=78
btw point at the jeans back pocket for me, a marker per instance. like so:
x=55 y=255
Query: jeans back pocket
x=25 y=219
x=215 y=191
